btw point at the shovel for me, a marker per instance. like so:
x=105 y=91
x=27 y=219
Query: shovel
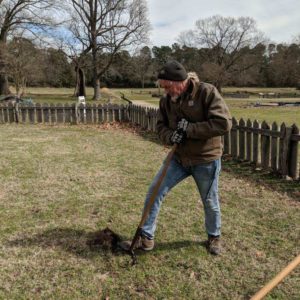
x=150 y=204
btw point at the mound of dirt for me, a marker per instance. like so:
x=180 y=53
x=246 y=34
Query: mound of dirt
x=106 y=239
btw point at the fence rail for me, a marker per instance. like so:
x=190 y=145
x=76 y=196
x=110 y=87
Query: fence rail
x=271 y=147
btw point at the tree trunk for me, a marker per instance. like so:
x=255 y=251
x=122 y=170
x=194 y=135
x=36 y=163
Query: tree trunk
x=97 y=94
x=80 y=82
x=96 y=80
x=4 y=88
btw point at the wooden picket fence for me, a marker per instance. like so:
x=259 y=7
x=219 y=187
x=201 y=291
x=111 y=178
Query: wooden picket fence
x=274 y=148
x=143 y=116
x=63 y=113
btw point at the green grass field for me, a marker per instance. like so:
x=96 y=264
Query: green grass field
x=59 y=184
x=240 y=108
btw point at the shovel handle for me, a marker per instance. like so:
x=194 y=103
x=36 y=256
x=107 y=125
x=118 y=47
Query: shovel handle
x=152 y=197
x=157 y=186
x=279 y=277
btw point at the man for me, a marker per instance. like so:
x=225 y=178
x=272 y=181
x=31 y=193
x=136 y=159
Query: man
x=194 y=116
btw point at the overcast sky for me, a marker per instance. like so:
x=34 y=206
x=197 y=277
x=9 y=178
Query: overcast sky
x=278 y=19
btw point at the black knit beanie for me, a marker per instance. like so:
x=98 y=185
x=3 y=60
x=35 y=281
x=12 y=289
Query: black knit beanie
x=173 y=71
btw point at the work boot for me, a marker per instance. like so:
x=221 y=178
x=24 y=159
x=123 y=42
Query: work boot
x=214 y=245
x=142 y=243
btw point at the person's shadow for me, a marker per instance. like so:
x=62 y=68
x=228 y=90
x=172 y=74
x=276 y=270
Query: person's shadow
x=86 y=244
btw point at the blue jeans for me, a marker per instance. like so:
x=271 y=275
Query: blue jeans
x=206 y=177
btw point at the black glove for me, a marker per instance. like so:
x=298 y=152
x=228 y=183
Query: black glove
x=183 y=125
x=178 y=136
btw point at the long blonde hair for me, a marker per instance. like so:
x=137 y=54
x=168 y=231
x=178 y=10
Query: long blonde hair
x=193 y=77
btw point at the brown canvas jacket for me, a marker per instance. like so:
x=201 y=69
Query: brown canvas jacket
x=209 y=117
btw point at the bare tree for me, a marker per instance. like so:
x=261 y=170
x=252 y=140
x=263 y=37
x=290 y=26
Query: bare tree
x=142 y=62
x=227 y=39
x=21 y=63
x=106 y=27
x=16 y=18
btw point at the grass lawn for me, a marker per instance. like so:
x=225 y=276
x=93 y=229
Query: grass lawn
x=59 y=184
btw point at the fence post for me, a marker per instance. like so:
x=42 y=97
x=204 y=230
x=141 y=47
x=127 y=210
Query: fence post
x=53 y=113
x=122 y=113
x=117 y=113
x=234 y=145
x=242 y=139
x=81 y=113
x=6 y=115
x=60 y=113
x=143 y=117
x=249 y=140
x=132 y=114
x=274 y=149
x=94 y=110
x=31 y=114
x=105 y=113
x=135 y=114
x=100 y=113
x=151 y=118
x=110 y=113
x=67 y=110
x=74 y=115
x=39 y=118
x=45 y=112
x=88 y=110
x=129 y=112
x=286 y=133
x=255 y=143
x=1 y=114
x=293 y=155
x=139 y=115
x=10 y=109
x=265 y=146
x=17 y=112
x=23 y=111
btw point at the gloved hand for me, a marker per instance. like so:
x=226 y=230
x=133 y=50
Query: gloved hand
x=183 y=125
x=178 y=136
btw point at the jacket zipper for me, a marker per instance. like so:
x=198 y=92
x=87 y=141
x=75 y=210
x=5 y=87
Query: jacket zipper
x=181 y=114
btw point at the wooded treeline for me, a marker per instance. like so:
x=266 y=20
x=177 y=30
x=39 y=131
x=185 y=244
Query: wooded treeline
x=277 y=66
x=104 y=43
